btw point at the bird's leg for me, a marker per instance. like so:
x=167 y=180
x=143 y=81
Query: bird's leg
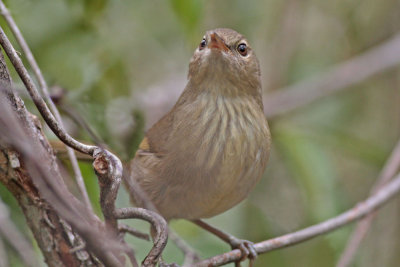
x=246 y=247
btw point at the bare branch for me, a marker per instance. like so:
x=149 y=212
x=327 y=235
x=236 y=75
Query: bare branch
x=39 y=165
x=109 y=171
x=79 y=120
x=37 y=99
x=388 y=171
x=159 y=225
x=43 y=85
x=357 y=212
x=113 y=166
x=123 y=228
x=338 y=77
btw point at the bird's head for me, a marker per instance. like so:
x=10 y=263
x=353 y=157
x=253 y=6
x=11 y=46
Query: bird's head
x=225 y=57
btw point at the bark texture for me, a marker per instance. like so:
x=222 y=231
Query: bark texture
x=53 y=235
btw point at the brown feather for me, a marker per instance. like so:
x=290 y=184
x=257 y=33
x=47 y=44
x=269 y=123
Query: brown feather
x=208 y=152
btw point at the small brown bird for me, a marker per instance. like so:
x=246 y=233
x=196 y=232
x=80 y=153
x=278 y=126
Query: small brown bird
x=206 y=154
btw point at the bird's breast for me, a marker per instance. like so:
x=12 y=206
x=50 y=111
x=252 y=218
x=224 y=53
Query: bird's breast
x=223 y=153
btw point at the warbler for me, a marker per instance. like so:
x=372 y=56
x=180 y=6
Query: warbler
x=207 y=153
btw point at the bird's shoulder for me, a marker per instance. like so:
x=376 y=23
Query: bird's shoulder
x=156 y=138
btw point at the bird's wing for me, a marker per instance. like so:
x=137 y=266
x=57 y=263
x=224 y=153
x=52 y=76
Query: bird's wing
x=156 y=137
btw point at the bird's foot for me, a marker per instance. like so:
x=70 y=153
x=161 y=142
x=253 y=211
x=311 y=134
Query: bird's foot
x=246 y=247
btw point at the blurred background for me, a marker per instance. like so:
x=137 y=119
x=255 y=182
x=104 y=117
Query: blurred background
x=120 y=65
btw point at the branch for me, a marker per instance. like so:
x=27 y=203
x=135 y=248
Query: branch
x=37 y=182
x=80 y=121
x=158 y=224
x=37 y=99
x=123 y=228
x=32 y=176
x=109 y=170
x=108 y=167
x=360 y=210
x=41 y=218
x=338 y=77
x=43 y=85
x=388 y=171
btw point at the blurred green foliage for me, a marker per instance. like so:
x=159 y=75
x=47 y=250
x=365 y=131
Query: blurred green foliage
x=189 y=14
x=109 y=53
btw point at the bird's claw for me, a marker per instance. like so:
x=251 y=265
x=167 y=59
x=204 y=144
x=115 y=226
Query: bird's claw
x=246 y=247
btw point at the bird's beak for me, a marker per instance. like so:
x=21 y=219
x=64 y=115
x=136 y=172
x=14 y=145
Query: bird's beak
x=216 y=42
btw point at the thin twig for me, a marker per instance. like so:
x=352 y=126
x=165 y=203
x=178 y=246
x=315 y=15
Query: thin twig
x=43 y=85
x=77 y=118
x=159 y=225
x=357 y=212
x=37 y=99
x=123 y=228
x=388 y=171
x=338 y=77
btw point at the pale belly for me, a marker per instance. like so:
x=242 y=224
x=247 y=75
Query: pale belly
x=235 y=181
x=211 y=165
x=218 y=182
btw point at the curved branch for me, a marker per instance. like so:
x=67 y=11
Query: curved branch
x=109 y=170
x=159 y=225
x=37 y=99
x=357 y=212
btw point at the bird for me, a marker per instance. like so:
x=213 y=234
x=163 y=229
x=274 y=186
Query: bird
x=208 y=152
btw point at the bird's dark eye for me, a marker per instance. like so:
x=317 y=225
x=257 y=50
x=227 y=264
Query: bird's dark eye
x=242 y=49
x=203 y=44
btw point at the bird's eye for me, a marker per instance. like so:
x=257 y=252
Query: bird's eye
x=242 y=49
x=203 y=44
